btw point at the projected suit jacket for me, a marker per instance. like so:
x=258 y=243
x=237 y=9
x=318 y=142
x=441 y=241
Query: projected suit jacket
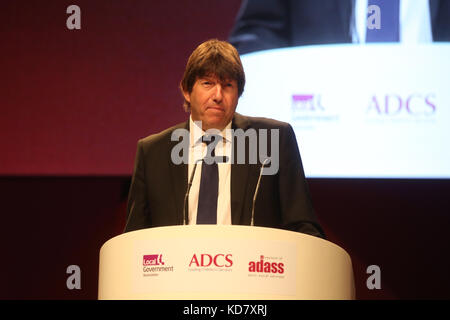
x=268 y=24
x=158 y=185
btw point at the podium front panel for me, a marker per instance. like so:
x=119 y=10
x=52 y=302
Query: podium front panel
x=223 y=262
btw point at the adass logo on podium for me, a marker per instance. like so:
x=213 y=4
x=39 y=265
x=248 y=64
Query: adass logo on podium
x=153 y=265
x=268 y=266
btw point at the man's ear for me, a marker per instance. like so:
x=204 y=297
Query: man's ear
x=187 y=96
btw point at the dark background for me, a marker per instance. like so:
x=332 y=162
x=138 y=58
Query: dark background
x=75 y=102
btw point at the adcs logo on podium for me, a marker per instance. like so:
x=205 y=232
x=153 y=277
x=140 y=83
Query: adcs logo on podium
x=211 y=262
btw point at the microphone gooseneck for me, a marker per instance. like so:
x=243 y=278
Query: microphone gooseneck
x=186 y=196
x=252 y=222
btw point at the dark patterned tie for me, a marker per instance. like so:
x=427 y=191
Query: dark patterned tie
x=209 y=186
x=389 y=16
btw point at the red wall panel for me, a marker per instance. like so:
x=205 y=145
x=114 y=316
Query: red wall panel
x=75 y=102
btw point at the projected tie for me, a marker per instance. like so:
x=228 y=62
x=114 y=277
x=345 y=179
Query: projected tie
x=389 y=26
x=209 y=187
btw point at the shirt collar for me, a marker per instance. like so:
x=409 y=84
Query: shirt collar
x=197 y=132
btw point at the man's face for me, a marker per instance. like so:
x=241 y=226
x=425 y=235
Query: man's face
x=212 y=101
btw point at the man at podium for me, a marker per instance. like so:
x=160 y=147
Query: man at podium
x=220 y=167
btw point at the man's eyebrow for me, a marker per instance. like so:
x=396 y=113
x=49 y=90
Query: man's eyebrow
x=215 y=78
x=206 y=78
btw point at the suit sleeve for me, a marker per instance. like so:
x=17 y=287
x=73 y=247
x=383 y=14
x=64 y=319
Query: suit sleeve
x=260 y=25
x=296 y=206
x=138 y=216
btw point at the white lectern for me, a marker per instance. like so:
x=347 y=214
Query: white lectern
x=223 y=262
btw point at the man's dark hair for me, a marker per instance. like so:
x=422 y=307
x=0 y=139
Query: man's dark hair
x=213 y=57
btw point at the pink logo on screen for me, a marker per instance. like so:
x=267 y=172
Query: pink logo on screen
x=152 y=260
x=306 y=102
x=303 y=97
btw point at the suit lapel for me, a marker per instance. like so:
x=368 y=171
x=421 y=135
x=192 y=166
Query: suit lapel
x=239 y=175
x=178 y=174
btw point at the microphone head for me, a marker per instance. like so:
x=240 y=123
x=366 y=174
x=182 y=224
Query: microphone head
x=266 y=161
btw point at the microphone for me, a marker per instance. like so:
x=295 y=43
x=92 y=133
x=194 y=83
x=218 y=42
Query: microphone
x=186 y=196
x=252 y=222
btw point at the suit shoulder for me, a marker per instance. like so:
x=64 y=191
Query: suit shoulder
x=160 y=138
x=266 y=123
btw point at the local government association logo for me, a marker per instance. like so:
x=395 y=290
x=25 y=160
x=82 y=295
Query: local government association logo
x=153 y=265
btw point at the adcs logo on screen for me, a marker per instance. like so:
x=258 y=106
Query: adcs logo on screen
x=262 y=266
x=414 y=104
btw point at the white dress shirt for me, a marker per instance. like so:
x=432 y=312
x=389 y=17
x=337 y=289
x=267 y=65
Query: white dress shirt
x=197 y=150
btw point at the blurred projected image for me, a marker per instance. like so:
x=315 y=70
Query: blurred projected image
x=364 y=83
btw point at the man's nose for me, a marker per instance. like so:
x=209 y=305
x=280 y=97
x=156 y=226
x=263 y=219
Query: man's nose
x=218 y=94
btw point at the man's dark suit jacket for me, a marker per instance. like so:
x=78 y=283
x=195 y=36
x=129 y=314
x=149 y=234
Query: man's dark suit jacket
x=158 y=186
x=268 y=24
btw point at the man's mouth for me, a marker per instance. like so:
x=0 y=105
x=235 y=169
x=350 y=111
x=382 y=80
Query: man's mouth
x=215 y=108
